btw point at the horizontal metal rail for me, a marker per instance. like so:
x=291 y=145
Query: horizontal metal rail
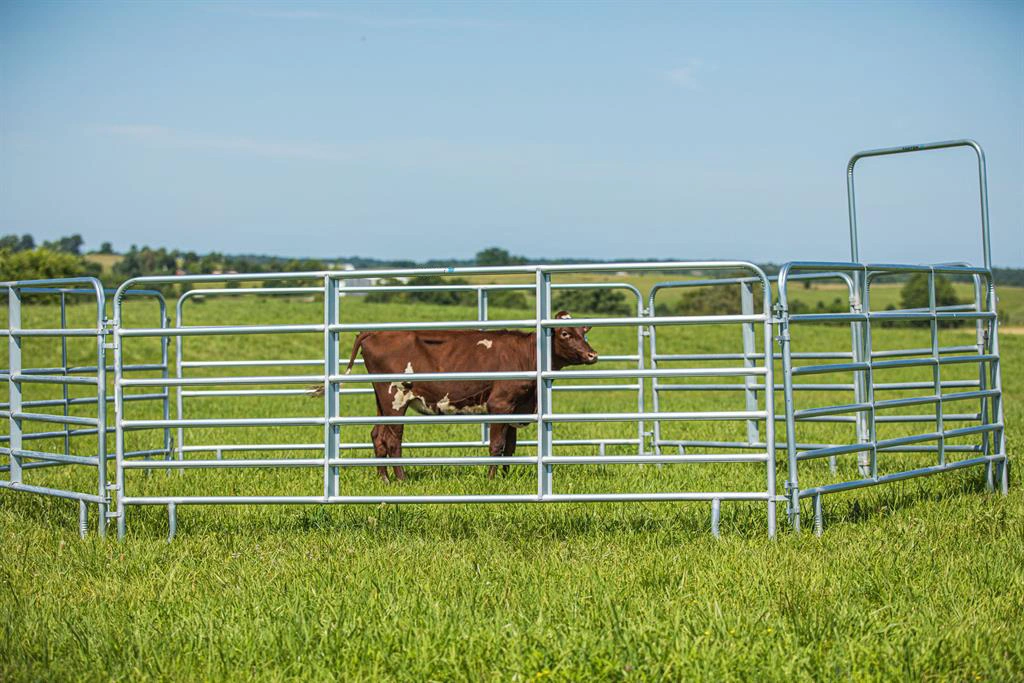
x=526 y=443
x=781 y=445
x=55 y=419
x=899 y=441
x=451 y=461
x=210 y=381
x=199 y=330
x=56 y=332
x=49 y=379
x=255 y=363
x=129 y=425
x=879 y=386
x=56 y=493
x=85 y=400
x=214 y=393
x=85 y=368
x=888 y=315
x=554 y=374
x=52 y=457
x=899 y=476
x=457 y=499
x=831 y=410
x=830 y=368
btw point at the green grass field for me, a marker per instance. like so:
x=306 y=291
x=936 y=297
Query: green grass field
x=920 y=580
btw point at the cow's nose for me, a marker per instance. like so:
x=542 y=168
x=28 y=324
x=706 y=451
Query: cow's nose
x=592 y=357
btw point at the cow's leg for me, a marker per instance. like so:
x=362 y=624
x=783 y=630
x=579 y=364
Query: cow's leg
x=380 y=449
x=498 y=435
x=387 y=439
x=396 y=449
x=511 y=433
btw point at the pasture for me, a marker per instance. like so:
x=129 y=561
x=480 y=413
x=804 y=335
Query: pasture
x=923 y=579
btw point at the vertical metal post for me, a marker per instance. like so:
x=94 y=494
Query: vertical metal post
x=331 y=389
x=851 y=206
x=996 y=382
x=481 y=314
x=64 y=370
x=819 y=516
x=793 y=483
x=542 y=283
x=101 y=416
x=642 y=388
x=981 y=336
x=83 y=519
x=118 y=420
x=860 y=391
x=165 y=373
x=172 y=521
x=716 y=516
x=179 y=350
x=14 y=385
x=653 y=334
x=747 y=308
x=869 y=382
x=769 y=405
x=936 y=369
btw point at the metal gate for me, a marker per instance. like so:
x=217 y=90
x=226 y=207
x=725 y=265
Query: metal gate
x=955 y=420
x=79 y=439
x=331 y=419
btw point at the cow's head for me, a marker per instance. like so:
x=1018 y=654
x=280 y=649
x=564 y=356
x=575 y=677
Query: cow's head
x=570 y=346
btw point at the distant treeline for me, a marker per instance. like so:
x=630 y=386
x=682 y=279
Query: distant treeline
x=21 y=258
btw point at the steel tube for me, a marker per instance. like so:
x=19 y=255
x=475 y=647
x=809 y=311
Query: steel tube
x=227 y=422
x=56 y=493
x=52 y=457
x=55 y=419
x=898 y=476
x=54 y=332
x=196 y=330
x=458 y=499
x=217 y=381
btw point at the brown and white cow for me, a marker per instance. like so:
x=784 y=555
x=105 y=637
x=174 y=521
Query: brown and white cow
x=421 y=351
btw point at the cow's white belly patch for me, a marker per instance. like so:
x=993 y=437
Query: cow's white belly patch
x=445 y=407
x=404 y=396
x=486 y=343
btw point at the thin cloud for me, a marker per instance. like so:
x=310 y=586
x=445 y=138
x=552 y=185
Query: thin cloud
x=378 y=21
x=292 y=14
x=168 y=137
x=686 y=76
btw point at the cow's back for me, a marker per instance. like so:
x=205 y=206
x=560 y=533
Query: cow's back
x=448 y=351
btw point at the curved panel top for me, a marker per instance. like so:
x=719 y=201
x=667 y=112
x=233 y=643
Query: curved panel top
x=926 y=146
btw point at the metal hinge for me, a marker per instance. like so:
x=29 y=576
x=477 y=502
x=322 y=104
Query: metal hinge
x=108 y=330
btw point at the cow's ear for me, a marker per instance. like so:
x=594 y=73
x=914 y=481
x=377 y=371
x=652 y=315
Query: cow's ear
x=562 y=314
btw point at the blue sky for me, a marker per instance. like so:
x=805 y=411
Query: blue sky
x=552 y=129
